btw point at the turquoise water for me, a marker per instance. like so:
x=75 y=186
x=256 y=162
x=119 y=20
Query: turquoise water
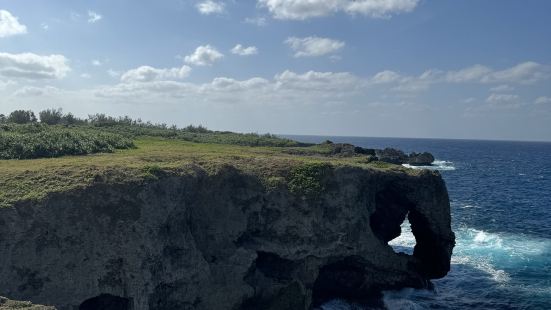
x=500 y=195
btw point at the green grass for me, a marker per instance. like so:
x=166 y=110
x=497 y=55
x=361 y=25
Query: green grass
x=154 y=156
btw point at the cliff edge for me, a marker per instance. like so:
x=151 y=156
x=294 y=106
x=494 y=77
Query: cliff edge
x=226 y=238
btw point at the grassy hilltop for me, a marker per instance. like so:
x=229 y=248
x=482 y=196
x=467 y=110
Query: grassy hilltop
x=37 y=158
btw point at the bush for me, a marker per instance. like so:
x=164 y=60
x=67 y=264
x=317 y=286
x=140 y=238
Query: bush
x=308 y=179
x=38 y=141
x=51 y=116
x=21 y=117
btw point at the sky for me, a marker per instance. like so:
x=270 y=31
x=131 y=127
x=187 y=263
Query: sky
x=465 y=69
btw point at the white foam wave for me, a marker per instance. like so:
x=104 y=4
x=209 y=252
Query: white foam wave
x=406 y=238
x=484 y=265
x=442 y=165
x=492 y=253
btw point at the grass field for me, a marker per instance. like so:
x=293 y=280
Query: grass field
x=35 y=178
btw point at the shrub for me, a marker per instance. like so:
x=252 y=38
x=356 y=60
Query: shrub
x=51 y=116
x=37 y=141
x=308 y=179
x=21 y=117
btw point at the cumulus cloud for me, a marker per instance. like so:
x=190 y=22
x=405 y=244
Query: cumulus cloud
x=148 y=74
x=96 y=63
x=258 y=21
x=313 y=80
x=313 y=46
x=501 y=88
x=93 y=17
x=244 y=51
x=543 y=100
x=473 y=73
x=33 y=67
x=9 y=25
x=32 y=91
x=210 y=7
x=288 y=87
x=204 y=55
x=502 y=98
x=386 y=76
x=526 y=72
x=305 y=9
x=523 y=73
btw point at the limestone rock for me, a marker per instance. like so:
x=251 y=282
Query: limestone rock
x=225 y=241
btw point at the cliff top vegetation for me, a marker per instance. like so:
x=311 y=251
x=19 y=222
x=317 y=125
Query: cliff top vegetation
x=38 y=158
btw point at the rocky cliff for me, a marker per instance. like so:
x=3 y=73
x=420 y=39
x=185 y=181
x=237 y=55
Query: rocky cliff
x=225 y=240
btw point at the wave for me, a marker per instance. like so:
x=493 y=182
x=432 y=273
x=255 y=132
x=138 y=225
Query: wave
x=441 y=165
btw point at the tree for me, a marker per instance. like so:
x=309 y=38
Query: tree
x=3 y=119
x=51 y=116
x=70 y=119
x=22 y=117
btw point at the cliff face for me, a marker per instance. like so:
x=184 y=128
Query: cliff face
x=224 y=241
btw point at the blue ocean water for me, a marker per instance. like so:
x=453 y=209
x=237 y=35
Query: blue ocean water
x=500 y=193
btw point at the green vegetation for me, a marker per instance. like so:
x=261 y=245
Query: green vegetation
x=134 y=151
x=58 y=134
x=6 y=304
x=308 y=179
x=37 y=140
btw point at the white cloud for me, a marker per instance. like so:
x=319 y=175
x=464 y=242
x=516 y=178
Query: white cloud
x=523 y=73
x=148 y=74
x=85 y=75
x=113 y=73
x=473 y=73
x=313 y=46
x=285 y=88
x=502 y=98
x=304 y=9
x=32 y=66
x=44 y=26
x=93 y=17
x=313 y=80
x=96 y=63
x=502 y=88
x=543 y=100
x=204 y=55
x=244 y=51
x=31 y=91
x=386 y=76
x=526 y=72
x=210 y=7
x=9 y=25
x=258 y=21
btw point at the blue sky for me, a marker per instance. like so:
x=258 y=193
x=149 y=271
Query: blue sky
x=408 y=68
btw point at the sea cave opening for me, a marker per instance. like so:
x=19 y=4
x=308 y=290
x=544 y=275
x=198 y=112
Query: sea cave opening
x=390 y=221
x=106 y=302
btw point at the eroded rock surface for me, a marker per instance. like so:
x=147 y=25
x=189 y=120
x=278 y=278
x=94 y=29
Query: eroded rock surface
x=225 y=241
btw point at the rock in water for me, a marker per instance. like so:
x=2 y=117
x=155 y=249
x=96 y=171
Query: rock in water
x=420 y=159
x=225 y=240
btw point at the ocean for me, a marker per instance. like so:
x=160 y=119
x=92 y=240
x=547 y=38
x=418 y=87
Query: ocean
x=500 y=194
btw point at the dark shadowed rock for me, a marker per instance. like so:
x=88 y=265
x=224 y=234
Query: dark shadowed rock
x=420 y=159
x=391 y=155
x=226 y=241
